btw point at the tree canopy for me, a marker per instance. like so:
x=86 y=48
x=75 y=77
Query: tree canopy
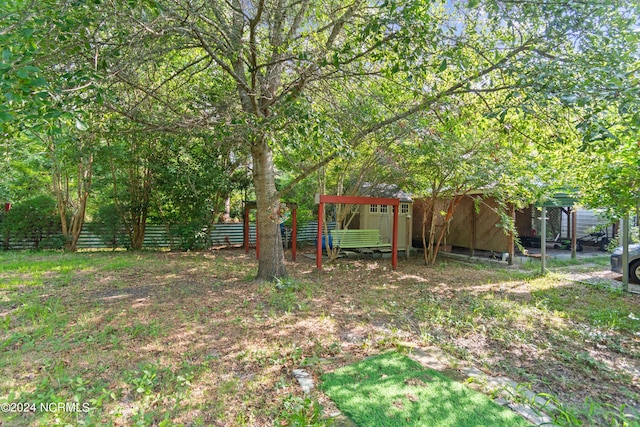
x=167 y=97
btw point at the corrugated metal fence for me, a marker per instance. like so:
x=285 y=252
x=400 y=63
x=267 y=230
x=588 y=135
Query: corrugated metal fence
x=159 y=237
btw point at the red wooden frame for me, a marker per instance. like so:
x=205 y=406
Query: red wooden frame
x=294 y=229
x=359 y=200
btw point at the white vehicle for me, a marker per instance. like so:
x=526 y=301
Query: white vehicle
x=634 y=262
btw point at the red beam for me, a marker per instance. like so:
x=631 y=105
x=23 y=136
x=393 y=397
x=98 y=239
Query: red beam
x=359 y=200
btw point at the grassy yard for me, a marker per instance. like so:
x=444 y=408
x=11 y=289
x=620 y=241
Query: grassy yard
x=188 y=338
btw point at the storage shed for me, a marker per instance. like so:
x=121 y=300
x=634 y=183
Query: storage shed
x=475 y=223
x=381 y=216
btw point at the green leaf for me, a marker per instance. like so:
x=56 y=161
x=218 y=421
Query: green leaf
x=40 y=81
x=5 y=117
x=336 y=61
x=80 y=125
x=52 y=115
x=443 y=65
x=22 y=73
x=569 y=98
x=31 y=69
x=27 y=32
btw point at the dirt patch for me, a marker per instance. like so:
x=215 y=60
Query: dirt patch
x=200 y=318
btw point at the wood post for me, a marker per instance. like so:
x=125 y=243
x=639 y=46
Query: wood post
x=512 y=237
x=319 y=238
x=543 y=241
x=294 y=233
x=624 y=232
x=394 y=241
x=246 y=228
x=574 y=233
x=474 y=231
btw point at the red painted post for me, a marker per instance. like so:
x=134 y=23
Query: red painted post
x=394 y=241
x=246 y=229
x=294 y=233
x=319 y=245
x=359 y=200
x=7 y=207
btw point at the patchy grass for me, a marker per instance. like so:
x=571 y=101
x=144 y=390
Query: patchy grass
x=189 y=339
x=393 y=390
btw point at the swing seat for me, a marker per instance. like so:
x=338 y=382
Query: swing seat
x=357 y=239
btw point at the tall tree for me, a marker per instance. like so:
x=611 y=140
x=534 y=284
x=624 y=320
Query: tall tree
x=47 y=89
x=246 y=65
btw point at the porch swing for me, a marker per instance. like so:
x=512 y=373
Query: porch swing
x=357 y=238
x=365 y=240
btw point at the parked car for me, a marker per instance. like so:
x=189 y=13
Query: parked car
x=634 y=262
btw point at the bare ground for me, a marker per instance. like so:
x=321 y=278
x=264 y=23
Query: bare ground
x=240 y=340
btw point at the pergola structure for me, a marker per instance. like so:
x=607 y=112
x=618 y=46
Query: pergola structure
x=251 y=204
x=358 y=200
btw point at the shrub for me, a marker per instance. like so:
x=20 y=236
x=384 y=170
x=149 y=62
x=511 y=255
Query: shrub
x=189 y=237
x=108 y=225
x=36 y=222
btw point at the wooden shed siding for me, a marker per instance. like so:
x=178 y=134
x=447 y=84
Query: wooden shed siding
x=523 y=222
x=488 y=236
x=383 y=221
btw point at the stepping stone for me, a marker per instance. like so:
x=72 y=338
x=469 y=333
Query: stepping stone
x=304 y=379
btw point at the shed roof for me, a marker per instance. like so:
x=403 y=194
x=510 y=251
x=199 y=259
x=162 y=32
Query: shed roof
x=558 y=200
x=391 y=191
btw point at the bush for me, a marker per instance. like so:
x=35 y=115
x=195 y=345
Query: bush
x=189 y=237
x=36 y=222
x=108 y=225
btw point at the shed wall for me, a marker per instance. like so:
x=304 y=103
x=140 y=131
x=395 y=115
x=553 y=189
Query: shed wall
x=587 y=221
x=382 y=219
x=466 y=219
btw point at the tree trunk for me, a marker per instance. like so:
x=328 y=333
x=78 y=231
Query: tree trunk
x=139 y=196
x=271 y=263
x=425 y=216
x=72 y=213
x=78 y=216
x=71 y=241
x=432 y=234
